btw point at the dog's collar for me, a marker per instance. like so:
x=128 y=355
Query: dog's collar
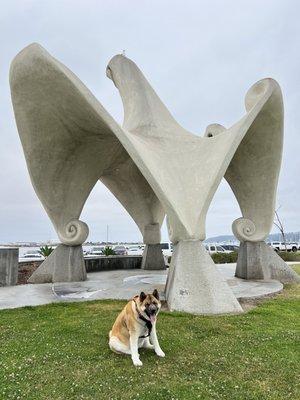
x=149 y=324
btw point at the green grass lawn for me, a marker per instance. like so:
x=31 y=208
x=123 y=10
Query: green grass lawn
x=296 y=267
x=60 y=351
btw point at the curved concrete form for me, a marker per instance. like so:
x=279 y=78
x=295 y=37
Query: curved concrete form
x=171 y=157
x=69 y=144
x=254 y=170
x=253 y=176
x=66 y=137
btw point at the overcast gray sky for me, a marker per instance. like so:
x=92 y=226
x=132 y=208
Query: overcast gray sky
x=200 y=56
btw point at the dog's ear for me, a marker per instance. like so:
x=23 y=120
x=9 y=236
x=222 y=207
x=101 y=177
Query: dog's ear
x=155 y=294
x=142 y=296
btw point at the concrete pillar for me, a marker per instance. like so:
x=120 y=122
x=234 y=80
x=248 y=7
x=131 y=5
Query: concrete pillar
x=65 y=264
x=194 y=284
x=257 y=260
x=153 y=257
x=152 y=254
x=9 y=264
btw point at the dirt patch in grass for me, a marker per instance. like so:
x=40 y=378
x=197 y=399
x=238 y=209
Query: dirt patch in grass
x=25 y=272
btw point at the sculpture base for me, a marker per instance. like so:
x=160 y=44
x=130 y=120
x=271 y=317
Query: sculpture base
x=194 y=284
x=153 y=257
x=257 y=260
x=65 y=264
x=9 y=265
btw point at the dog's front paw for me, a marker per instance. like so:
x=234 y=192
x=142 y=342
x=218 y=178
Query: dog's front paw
x=137 y=363
x=160 y=353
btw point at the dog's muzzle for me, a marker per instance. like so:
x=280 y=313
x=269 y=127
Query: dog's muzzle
x=152 y=309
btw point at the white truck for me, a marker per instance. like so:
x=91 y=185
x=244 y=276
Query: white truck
x=167 y=249
x=281 y=246
x=215 y=248
x=95 y=251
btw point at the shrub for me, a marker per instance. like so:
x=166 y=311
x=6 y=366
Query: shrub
x=289 y=256
x=220 y=258
x=46 y=251
x=108 y=251
x=223 y=258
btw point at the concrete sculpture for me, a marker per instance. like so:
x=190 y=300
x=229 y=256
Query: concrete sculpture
x=151 y=133
x=160 y=147
x=74 y=141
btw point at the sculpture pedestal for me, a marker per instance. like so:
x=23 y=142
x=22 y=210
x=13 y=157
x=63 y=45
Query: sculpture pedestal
x=65 y=264
x=194 y=284
x=9 y=265
x=153 y=257
x=257 y=260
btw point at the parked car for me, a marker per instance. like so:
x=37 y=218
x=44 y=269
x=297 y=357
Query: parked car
x=230 y=247
x=32 y=255
x=281 y=246
x=167 y=249
x=96 y=251
x=276 y=246
x=120 y=250
x=134 y=251
x=213 y=248
x=295 y=246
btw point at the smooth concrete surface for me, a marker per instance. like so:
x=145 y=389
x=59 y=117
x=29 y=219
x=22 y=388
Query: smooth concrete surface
x=121 y=285
x=65 y=264
x=194 y=284
x=153 y=257
x=257 y=260
x=26 y=295
x=9 y=263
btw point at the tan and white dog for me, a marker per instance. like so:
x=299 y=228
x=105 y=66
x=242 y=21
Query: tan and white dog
x=135 y=327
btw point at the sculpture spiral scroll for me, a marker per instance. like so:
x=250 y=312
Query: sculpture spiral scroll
x=243 y=229
x=74 y=233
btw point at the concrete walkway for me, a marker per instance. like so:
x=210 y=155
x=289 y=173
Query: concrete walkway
x=120 y=284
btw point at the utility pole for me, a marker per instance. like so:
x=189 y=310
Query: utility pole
x=106 y=235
